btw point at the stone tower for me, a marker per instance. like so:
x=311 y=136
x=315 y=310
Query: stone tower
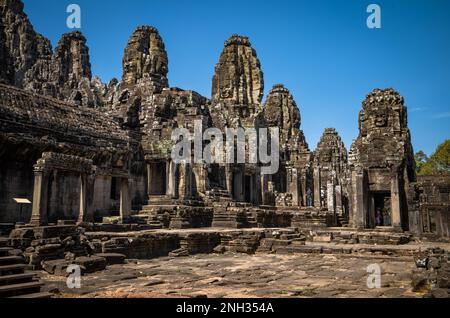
x=381 y=162
x=330 y=172
x=71 y=69
x=281 y=111
x=145 y=58
x=238 y=80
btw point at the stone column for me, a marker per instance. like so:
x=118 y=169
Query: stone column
x=317 y=187
x=360 y=203
x=172 y=184
x=125 y=200
x=293 y=186
x=331 y=203
x=339 y=204
x=395 y=198
x=83 y=199
x=40 y=198
x=184 y=186
x=168 y=181
x=229 y=179
x=239 y=180
x=264 y=189
x=304 y=188
x=149 y=179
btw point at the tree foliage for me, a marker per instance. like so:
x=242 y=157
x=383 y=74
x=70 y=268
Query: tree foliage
x=438 y=163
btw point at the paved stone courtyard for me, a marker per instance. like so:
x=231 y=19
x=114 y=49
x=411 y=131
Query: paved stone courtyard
x=260 y=275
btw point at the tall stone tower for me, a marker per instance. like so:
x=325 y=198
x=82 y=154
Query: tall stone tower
x=238 y=82
x=331 y=172
x=382 y=163
x=281 y=111
x=145 y=58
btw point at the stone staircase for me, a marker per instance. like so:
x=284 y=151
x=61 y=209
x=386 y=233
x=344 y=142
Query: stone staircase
x=14 y=281
x=311 y=218
x=251 y=220
x=218 y=195
x=160 y=200
x=154 y=212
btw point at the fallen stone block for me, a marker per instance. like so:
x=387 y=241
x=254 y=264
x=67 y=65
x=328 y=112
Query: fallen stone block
x=61 y=231
x=219 y=249
x=56 y=267
x=22 y=233
x=179 y=252
x=91 y=264
x=112 y=258
x=323 y=239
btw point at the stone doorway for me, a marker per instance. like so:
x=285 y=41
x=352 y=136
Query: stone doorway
x=215 y=177
x=158 y=179
x=381 y=209
x=248 y=189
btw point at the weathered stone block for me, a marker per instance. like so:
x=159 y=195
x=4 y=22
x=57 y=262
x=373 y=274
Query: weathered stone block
x=91 y=264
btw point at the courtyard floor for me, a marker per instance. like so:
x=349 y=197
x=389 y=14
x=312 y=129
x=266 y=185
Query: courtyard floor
x=240 y=275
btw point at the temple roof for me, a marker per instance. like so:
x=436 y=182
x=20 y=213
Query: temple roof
x=51 y=123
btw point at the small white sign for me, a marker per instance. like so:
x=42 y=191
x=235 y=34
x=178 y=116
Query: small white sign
x=22 y=201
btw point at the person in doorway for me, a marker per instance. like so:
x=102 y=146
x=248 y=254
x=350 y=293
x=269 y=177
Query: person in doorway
x=379 y=217
x=386 y=218
x=309 y=202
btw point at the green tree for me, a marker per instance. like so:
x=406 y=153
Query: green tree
x=421 y=159
x=439 y=162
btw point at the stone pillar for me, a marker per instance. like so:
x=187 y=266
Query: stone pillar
x=239 y=181
x=258 y=186
x=360 y=200
x=171 y=179
x=331 y=203
x=304 y=188
x=317 y=187
x=229 y=179
x=200 y=177
x=184 y=185
x=83 y=199
x=125 y=200
x=293 y=186
x=339 y=204
x=149 y=179
x=395 y=199
x=264 y=189
x=40 y=198
x=167 y=164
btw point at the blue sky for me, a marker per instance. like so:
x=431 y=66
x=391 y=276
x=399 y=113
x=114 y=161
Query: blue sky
x=321 y=50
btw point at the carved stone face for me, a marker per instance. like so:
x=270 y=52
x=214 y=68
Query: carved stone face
x=326 y=156
x=381 y=119
x=226 y=93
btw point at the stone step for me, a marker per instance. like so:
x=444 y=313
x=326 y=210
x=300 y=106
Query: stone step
x=155 y=225
x=20 y=289
x=12 y=269
x=4 y=242
x=16 y=278
x=10 y=260
x=152 y=207
x=4 y=251
x=43 y=295
x=160 y=200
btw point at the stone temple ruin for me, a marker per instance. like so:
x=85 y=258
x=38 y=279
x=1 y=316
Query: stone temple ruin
x=95 y=158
